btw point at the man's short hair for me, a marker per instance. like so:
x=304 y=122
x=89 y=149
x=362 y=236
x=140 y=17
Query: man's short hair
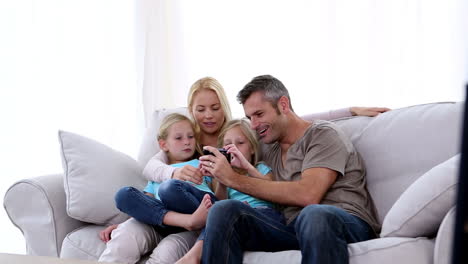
x=272 y=88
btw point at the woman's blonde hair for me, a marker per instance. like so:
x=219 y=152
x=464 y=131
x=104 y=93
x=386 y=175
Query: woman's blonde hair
x=251 y=136
x=170 y=120
x=210 y=84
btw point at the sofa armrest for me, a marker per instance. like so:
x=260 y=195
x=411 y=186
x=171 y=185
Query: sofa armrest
x=37 y=206
x=444 y=240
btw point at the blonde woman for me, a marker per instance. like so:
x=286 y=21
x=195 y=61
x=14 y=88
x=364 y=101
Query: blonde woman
x=209 y=108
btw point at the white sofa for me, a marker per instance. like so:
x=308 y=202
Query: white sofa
x=410 y=155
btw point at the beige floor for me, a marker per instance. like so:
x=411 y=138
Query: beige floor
x=26 y=259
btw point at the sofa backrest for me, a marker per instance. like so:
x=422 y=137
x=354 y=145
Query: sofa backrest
x=401 y=145
x=397 y=147
x=149 y=145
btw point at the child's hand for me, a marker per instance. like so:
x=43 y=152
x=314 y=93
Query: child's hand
x=105 y=235
x=188 y=173
x=237 y=159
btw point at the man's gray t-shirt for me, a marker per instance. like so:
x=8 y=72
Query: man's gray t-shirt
x=324 y=145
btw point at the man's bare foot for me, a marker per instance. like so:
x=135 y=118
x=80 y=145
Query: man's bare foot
x=198 y=218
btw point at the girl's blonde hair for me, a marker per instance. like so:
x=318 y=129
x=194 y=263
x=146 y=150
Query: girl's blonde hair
x=210 y=84
x=170 y=120
x=251 y=136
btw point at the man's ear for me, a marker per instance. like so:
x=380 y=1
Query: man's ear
x=283 y=105
x=163 y=145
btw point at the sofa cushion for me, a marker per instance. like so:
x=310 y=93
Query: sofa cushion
x=401 y=145
x=93 y=173
x=149 y=145
x=422 y=207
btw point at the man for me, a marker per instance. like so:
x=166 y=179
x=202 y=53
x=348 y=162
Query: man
x=320 y=182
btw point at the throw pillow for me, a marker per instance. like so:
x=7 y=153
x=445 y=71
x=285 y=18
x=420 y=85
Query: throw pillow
x=93 y=173
x=421 y=208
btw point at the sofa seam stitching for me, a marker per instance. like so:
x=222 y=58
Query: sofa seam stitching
x=392 y=246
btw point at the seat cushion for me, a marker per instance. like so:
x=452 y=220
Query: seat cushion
x=392 y=250
x=382 y=251
x=84 y=243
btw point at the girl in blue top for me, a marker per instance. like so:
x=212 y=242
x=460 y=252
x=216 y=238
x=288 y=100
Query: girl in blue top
x=176 y=138
x=241 y=142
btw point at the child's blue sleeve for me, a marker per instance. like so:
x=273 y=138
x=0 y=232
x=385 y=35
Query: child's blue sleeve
x=263 y=169
x=207 y=179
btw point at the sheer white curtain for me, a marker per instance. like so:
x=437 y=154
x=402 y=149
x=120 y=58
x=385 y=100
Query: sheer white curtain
x=66 y=65
x=161 y=58
x=329 y=53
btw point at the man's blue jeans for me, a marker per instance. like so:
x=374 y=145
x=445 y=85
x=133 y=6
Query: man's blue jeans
x=183 y=197
x=321 y=232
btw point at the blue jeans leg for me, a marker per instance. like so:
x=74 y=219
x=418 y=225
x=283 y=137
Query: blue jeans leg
x=143 y=208
x=324 y=232
x=181 y=196
x=267 y=211
x=233 y=227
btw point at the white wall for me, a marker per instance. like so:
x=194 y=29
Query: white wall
x=65 y=65
x=333 y=54
x=329 y=54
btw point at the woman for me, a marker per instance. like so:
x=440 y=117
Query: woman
x=209 y=108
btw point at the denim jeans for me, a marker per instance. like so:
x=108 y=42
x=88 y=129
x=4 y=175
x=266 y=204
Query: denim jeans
x=321 y=232
x=144 y=208
x=182 y=198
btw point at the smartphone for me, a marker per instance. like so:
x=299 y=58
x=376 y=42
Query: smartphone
x=223 y=151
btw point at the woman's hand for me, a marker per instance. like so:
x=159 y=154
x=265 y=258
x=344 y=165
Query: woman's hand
x=188 y=173
x=237 y=159
x=105 y=235
x=368 y=111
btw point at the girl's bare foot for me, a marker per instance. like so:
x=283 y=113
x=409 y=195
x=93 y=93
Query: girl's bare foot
x=198 y=218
